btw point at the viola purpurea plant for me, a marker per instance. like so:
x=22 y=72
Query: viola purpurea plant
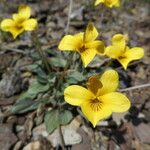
x=19 y=22
x=100 y=97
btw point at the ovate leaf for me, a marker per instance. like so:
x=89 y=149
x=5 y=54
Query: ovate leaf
x=24 y=106
x=51 y=120
x=75 y=77
x=34 y=89
x=57 y=62
x=65 y=117
x=54 y=118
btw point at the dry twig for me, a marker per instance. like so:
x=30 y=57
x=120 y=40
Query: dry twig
x=69 y=16
x=135 y=87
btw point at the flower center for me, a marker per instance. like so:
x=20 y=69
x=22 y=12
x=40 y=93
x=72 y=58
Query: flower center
x=122 y=57
x=82 y=48
x=19 y=27
x=95 y=104
x=19 y=24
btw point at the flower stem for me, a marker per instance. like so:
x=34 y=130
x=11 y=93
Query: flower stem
x=41 y=54
x=62 y=76
x=62 y=138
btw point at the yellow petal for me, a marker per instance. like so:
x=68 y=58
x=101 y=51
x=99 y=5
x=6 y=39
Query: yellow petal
x=76 y=95
x=111 y=3
x=130 y=55
x=70 y=42
x=118 y=46
x=98 y=2
x=24 y=11
x=97 y=45
x=15 y=32
x=110 y=81
x=124 y=62
x=117 y=4
x=95 y=116
x=94 y=84
x=18 y=18
x=90 y=33
x=112 y=52
x=7 y=24
x=116 y=101
x=135 y=53
x=30 y=24
x=120 y=41
x=87 y=56
x=15 y=16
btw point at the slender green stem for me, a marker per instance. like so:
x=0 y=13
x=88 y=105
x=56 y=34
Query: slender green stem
x=62 y=77
x=41 y=54
x=62 y=138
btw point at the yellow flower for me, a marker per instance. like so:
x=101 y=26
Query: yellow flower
x=99 y=99
x=118 y=50
x=84 y=43
x=20 y=22
x=108 y=3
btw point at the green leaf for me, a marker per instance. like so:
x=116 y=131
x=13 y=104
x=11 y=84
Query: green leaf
x=35 y=56
x=24 y=106
x=36 y=69
x=34 y=89
x=75 y=77
x=51 y=120
x=65 y=117
x=32 y=67
x=42 y=80
x=54 y=118
x=27 y=105
x=57 y=62
x=52 y=78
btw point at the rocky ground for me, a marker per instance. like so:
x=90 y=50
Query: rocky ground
x=26 y=131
